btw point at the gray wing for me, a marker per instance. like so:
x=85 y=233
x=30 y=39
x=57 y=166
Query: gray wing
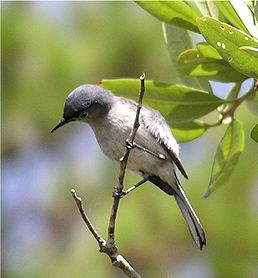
x=154 y=122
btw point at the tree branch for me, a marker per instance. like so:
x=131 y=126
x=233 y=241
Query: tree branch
x=123 y=163
x=78 y=201
x=229 y=110
x=116 y=259
x=109 y=247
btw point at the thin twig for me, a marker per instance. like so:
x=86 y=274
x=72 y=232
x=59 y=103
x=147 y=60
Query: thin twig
x=109 y=247
x=78 y=201
x=117 y=259
x=229 y=110
x=123 y=163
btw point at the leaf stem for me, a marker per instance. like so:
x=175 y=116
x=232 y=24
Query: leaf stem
x=230 y=109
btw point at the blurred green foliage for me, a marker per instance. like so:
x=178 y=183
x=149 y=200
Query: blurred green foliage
x=230 y=55
x=48 y=48
x=47 y=51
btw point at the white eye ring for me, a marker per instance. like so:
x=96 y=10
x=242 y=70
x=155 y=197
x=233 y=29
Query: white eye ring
x=83 y=115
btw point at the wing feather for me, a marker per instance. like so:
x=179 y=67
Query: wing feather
x=154 y=122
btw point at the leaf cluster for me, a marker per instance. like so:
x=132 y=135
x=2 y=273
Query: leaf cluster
x=228 y=53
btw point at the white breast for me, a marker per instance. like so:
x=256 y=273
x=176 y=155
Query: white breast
x=112 y=133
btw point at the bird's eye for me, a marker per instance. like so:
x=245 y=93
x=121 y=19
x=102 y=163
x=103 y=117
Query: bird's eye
x=83 y=115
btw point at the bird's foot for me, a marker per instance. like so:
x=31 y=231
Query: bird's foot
x=129 y=145
x=118 y=195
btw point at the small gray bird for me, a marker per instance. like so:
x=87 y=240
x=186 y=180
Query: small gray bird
x=112 y=119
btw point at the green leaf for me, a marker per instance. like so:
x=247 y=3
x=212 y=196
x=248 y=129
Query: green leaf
x=207 y=7
x=178 y=13
x=190 y=63
x=234 y=91
x=228 y=42
x=189 y=131
x=256 y=11
x=177 y=103
x=238 y=14
x=208 y=51
x=232 y=95
x=254 y=133
x=249 y=49
x=178 y=40
x=227 y=155
x=252 y=102
x=226 y=8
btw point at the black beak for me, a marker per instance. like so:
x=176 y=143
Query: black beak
x=60 y=123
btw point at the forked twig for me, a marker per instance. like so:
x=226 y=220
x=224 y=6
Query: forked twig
x=109 y=247
x=123 y=164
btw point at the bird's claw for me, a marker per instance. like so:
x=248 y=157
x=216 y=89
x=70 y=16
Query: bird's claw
x=118 y=195
x=128 y=144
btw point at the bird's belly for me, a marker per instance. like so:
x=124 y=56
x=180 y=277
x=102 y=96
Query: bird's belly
x=144 y=162
x=113 y=145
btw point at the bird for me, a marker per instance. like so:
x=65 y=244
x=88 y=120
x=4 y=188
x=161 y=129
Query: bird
x=111 y=118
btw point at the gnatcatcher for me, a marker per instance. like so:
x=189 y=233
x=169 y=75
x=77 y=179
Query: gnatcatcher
x=112 y=119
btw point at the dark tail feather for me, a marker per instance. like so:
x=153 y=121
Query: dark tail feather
x=191 y=219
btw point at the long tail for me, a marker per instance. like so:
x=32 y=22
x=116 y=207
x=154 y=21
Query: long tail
x=190 y=217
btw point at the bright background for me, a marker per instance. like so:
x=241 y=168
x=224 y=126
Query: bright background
x=48 y=49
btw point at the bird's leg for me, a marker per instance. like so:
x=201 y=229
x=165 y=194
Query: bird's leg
x=130 y=189
x=135 y=145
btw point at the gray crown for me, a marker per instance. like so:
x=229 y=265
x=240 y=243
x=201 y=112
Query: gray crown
x=84 y=97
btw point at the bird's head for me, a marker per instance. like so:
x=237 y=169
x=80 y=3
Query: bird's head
x=86 y=103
